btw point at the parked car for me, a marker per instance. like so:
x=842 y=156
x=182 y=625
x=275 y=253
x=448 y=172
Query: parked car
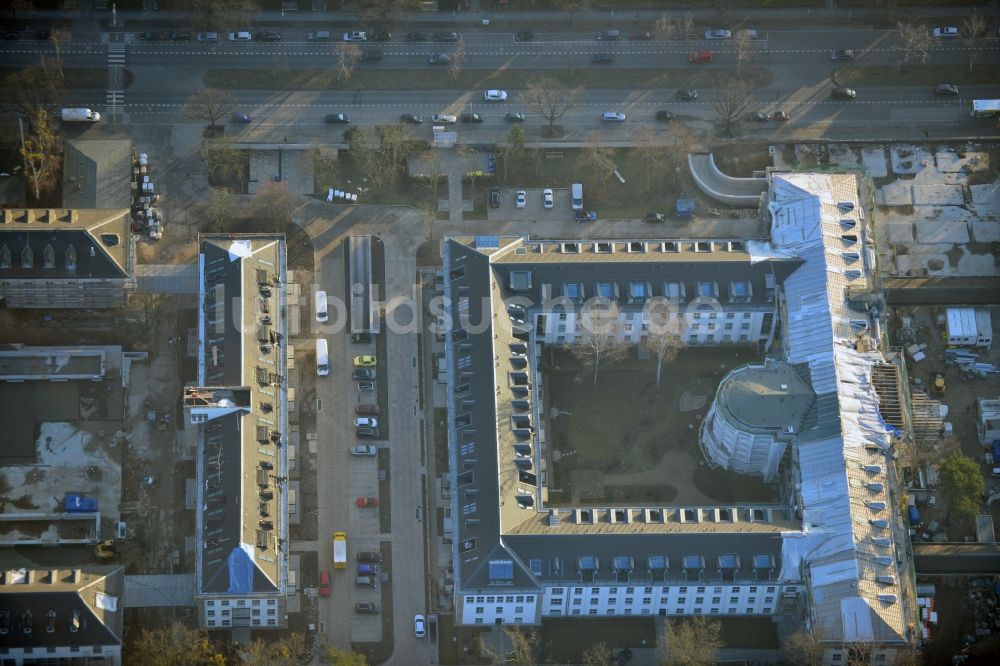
x=364 y=450
x=411 y=118
x=514 y=117
x=780 y=116
x=324 y=583
x=366 y=408
x=363 y=374
x=366 y=432
x=269 y=36
x=365 y=422
x=524 y=36
x=495 y=96
x=585 y=215
x=207 y=37
x=365 y=581
x=664 y=116
x=180 y=36
x=946 y=89
x=356 y=36
x=601 y=59
x=613 y=116
x=366 y=502
x=419 y=628
x=444 y=118
x=948 y=32
x=494 y=197
x=640 y=36
x=759 y=117
x=366 y=608
x=842 y=54
x=359 y=338
x=521 y=199
x=609 y=35
x=471 y=118
x=368 y=570
x=380 y=36
x=438 y=59
x=445 y=37
x=319 y=36
x=416 y=37
x=152 y=36
x=241 y=36
x=718 y=33
x=338 y=118
x=371 y=56
x=241 y=118
x=369 y=556
x=699 y=56
x=844 y=93
x=655 y=217
x=366 y=386
x=364 y=361
x=686 y=95
x=547 y=198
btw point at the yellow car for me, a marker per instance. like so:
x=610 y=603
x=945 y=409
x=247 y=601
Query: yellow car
x=364 y=361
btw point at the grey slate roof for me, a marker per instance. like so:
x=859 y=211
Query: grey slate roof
x=59 y=243
x=97 y=173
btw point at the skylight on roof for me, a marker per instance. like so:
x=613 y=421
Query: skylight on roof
x=536 y=567
x=501 y=569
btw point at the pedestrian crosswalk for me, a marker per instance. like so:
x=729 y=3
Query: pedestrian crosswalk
x=116 y=58
x=116 y=55
x=116 y=98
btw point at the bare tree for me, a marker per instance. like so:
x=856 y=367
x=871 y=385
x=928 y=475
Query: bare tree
x=693 y=641
x=731 y=101
x=365 y=146
x=59 y=38
x=550 y=99
x=513 y=147
x=601 y=330
x=219 y=210
x=41 y=151
x=973 y=28
x=667 y=27
x=651 y=155
x=457 y=60
x=214 y=14
x=523 y=648
x=35 y=86
x=662 y=338
x=804 y=648
x=596 y=157
x=597 y=654
x=337 y=657
x=326 y=167
x=396 y=140
x=348 y=57
x=680 y=143
x=283 y=652
x=686 y=26
x=225 y=164
x=744 y=49
x=916 y=40
x=274 y=205
x=175 y=645
x=210 y=105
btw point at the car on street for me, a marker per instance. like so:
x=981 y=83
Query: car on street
x=780 y=116
x=380 y=36
x=494 y=95
x=946 y=89
x=416 y=37
x=365 y=431
x=699 y=56
x=338 y=118
x=369 y=556
x=366 y=502
x=365 y=361
x=585 y=215
x=356 y=36
x=750 y=33
x=844 y=93
x=364 y=450
x=759 y=117
x=613 y=116
x=324 y=583
x=363 y=374
x=494 y=197
x=366 y=386
x=366 y=608
x=269 y=36
x=419 y=628
x=150 y=36
x=842 y=54
x=241 y=36
x=655 y=217
x=445 y=37
x=207 y=37
x=319 y=36
x=180 y=36
x=471 y=118
x=366 y=408
x=241 y=118
x=640 y=36
x=609 y=36
x=718 y=33
x=547 y=198
x=686 y=95
x=359 y=338
x=524 y=36
x=521 y=199
x=514 y=117
x=945 y=32
x=602 y=59
x=664 y=116
x=438 y=59
x=411 y=118
x=444 y=118
x=365 y=422
x=371 y=56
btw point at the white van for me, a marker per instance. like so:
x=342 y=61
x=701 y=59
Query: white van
x=80 y=116
x=321 y=315
x=577 y=196
x=322 y=358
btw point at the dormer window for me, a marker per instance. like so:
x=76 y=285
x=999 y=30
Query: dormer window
x=573 y=291
x=708 y=289
x=673 y=290
x=740 y=291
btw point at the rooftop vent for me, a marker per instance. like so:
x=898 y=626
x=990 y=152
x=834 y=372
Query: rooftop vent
x=879 y=523
x=873 y=469
x=886 y=580
x=887 y=598
x=845 y=206
x=883 y=559
x=875 y=487
x=885 y=542
x=876 y=506
x=848 y=223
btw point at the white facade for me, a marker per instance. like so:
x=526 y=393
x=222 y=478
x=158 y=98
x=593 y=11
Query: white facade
x=110 y=655
x=241 y=611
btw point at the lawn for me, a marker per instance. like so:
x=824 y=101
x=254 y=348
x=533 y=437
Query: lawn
x=749 y=633
x=563 y=641
x=625 y=441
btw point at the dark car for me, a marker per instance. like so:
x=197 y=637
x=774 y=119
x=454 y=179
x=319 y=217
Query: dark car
x=514 y=117
x=338 y=118
x=609 y=36
x=359 y=338
x=445 y=37
x=438 y=59
x=411 y=118
x=153 y=36
x=379 y=36
x=180 y=36
x=664 y=116
x=416 y=37
x=471 y=118
x=366 y=608
x=844 y=93
x=524 y=36
x=371 y=56
x=494 y=197
x=686 y=95
x=365 y=431
x=269 y=36
x=640 y=36
x=601 y=58
x=363 y=373
x=946 y=89
x=585 y=215
x=369 y=556
x=842 y=54
x=759 y=117
x=242 y=118
x=655 y=217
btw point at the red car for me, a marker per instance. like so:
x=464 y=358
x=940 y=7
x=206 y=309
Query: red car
x=780 y=116
x=324 y=583
x=363 y=502
x=699 y=56
x=640 y=36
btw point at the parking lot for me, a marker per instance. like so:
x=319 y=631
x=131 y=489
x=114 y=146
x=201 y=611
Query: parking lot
x=533 y=209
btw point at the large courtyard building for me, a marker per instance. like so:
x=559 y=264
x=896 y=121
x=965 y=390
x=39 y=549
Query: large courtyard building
x=805 y=417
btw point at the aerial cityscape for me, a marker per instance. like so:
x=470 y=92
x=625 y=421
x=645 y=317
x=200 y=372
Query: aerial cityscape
x=499 y=332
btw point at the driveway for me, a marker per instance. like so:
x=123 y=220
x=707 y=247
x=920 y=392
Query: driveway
x=533 y=209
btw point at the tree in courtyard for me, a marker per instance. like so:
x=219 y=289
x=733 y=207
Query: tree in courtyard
x=523 y=650
x=962 y=486
x=804 y=648
x=550 y=99
x=365 y=147
x=41 y=151
x=348 y=57
x=663 y=334
x=338 y=657
x=210 y=105
x=274 y=205
x=396 y=140
x=916 y=39
x=974 y=27
x=597 y=654
x=693 y=641
x=325 y=166
x=457 y=60
x=680 y=143
x=284 y=652
x=600 y=338
x=731 y=101
x=219 y=210
x=224 y=163
x=175 y=645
